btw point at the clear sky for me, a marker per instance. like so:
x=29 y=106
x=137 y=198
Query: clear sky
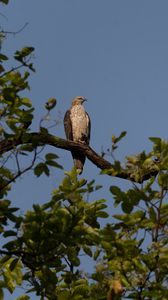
x=115 y=53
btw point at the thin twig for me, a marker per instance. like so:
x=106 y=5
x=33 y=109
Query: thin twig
x=17 y=162
x=21 y=172
x=15 y=32
x=12 y=70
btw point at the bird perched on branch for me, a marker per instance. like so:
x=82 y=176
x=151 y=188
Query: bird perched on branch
x=77 y=128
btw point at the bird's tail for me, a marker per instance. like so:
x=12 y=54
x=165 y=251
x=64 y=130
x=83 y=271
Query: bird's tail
x=79 y=160
x=79 y=165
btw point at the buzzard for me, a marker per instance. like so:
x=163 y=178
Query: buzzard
x=77 y=128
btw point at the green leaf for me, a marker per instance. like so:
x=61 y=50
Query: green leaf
x=124 y=281
x=96 y=254
x=4 y=1
x=26 y=137
x=9 y=282
x=22 y=55
x=1 y=68
x=87 y=250
x=117 y=139
x=63 y=295
x=51 y=156
x=127 y=207
x=9 y=95
x=9 y=233
x=155 y=140
x=106 y=245
x=26 y=51
x=13 y=264
x=119 y=196
x=46 y=170
x=23 y=297
x=115 y=190
x=1 y=294
x=43 y=130
x=5 y=259
x=152 y=214
x=3 y=57
x=28 y=148
x=54 y=164
x=27 y=102
x=102 y=214
x=98 y=187
x=80 y=288
x=75 y=261
x=50 y=104
x=163 y=180
x=31 y=67
x=39 y=169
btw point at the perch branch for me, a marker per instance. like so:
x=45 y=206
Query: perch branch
x=40 y=139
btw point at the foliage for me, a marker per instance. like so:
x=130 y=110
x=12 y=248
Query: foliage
x=4 y=1
x=43 y=250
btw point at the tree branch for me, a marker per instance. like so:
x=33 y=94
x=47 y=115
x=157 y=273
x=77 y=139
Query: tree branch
x=40 y=139
x=19 y=172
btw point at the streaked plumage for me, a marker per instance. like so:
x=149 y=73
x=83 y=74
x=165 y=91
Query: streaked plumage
x=77 y=128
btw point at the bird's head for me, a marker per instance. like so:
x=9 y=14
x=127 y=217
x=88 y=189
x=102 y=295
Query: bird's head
x=78 y=100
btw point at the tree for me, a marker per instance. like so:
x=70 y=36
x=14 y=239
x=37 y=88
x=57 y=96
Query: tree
x=44 y=247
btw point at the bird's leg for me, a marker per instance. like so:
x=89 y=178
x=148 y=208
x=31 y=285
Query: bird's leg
x=83 y=139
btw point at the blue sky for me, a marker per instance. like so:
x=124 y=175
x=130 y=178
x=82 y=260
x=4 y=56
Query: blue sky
x=115 y=53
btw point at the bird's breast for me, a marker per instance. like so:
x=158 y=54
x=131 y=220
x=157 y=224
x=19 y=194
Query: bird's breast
x=79 y=123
